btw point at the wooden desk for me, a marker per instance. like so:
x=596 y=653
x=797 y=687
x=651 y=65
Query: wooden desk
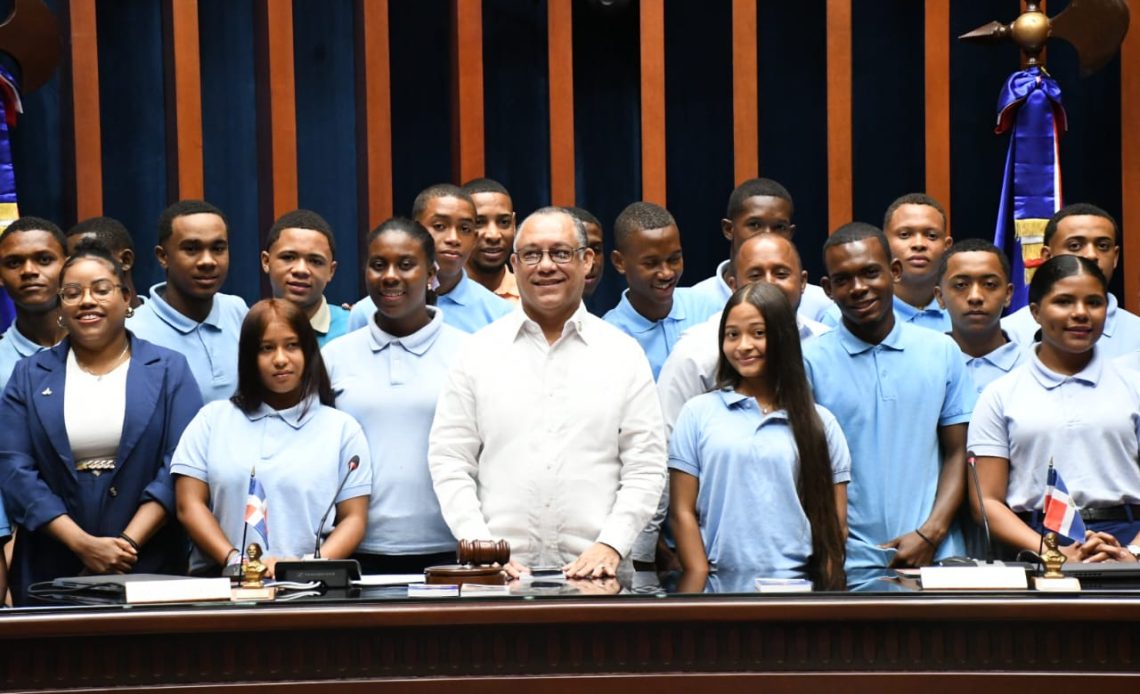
x=708 y=644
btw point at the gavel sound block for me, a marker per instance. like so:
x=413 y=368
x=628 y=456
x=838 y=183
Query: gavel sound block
x=479 y=561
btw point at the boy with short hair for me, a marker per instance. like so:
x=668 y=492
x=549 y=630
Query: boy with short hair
x=300 y=260
x=757 y=206
x=1090 y=232
x=915 y=226
x=114 y=235
x=903 y=398
x=647 y=250
x=595 y=235
x=188 y=313
x=32 y=252
x=449 y=215
x=974 y=288
x=495 y=227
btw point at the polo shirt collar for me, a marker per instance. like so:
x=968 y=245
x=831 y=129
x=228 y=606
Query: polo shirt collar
x=908 y=312
x=461 y=294
x=1049 y=379
x=417 y=343
x=23 y=346
x=176 y=320
x=1004 y=357
x=854 y=345
x=295 y=416
x=732 y=399
x=639 y=323
x=322 y=319
x=1110 y=316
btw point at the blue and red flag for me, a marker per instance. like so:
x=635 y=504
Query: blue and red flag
x=10 y=106
x=1030 y=109
x=1061 y=514
x=257 y=509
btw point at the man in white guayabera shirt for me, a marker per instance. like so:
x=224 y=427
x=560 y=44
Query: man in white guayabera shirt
x=523 y=447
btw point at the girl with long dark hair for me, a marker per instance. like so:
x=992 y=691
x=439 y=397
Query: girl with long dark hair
x=758 y=470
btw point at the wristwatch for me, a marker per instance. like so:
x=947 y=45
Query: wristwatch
x=1134 y=550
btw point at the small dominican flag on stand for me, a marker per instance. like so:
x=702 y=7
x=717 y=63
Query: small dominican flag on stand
x=1062 y=515
x=257 y=509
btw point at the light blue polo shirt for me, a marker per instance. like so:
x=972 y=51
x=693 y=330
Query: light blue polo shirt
x=657 y=338
x=390 y=385
x=1121 y=329
x=747 y=467
x=338 y=325
x=210 y=347
x=14 y=347
x=987 y=368
x=814 y=303
x=468 y=306
x=932 y=316
x=1087 y=423
x=299 y=455
x=890 y=399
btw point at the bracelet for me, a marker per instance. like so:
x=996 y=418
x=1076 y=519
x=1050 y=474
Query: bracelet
x=927 y=539
x=130 y=541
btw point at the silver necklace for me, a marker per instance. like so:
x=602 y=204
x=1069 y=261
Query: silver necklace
x=114 y=365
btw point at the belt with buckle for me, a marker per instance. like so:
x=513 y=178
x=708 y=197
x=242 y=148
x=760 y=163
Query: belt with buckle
x=1122 y=512
x=96 y=466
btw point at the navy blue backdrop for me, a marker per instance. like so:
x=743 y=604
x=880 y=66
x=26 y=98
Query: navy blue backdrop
x=887 y=133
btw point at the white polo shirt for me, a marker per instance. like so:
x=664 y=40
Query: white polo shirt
x=1087 y=423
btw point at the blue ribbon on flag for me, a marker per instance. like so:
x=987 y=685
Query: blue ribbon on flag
x=1030 y=107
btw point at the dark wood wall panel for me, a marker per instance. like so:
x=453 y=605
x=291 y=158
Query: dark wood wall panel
x=745 y=78
x=467 y=101
x=1130 y=163
x=937 y=100
x=277 y=110
x=184 y=100
x=373 y=115
x=839 y=192
x=86 y=131
x=653 y=101
x=560 y=67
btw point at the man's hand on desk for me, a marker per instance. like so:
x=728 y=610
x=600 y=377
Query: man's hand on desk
x=598 y=561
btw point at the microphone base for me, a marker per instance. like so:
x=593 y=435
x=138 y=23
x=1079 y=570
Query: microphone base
x=333 y=573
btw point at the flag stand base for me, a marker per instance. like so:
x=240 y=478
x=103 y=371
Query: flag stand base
x=1057 y=585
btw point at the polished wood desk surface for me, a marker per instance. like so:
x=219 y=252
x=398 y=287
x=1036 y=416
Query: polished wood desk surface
x=674 y=643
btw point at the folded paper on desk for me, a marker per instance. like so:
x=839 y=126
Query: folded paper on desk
x=783 y=585
x=372 y=580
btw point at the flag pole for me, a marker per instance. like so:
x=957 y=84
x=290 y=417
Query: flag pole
x=1044 y=510
x=244 y=524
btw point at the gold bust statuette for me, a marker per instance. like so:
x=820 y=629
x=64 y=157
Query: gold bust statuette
x=253 y=571
x=1052 y=557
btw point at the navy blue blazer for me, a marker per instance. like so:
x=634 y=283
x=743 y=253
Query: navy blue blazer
x=37 y=468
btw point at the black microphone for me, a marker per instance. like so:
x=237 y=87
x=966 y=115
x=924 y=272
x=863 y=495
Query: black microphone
x=972 y=465
x=334 y=573
x=353 y=463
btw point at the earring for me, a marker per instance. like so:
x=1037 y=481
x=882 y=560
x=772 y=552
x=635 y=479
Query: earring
x=130 y=312
x=59 y=320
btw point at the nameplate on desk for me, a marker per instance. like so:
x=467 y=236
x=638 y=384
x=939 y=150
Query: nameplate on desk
x=981 y=577
x=181 y=590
